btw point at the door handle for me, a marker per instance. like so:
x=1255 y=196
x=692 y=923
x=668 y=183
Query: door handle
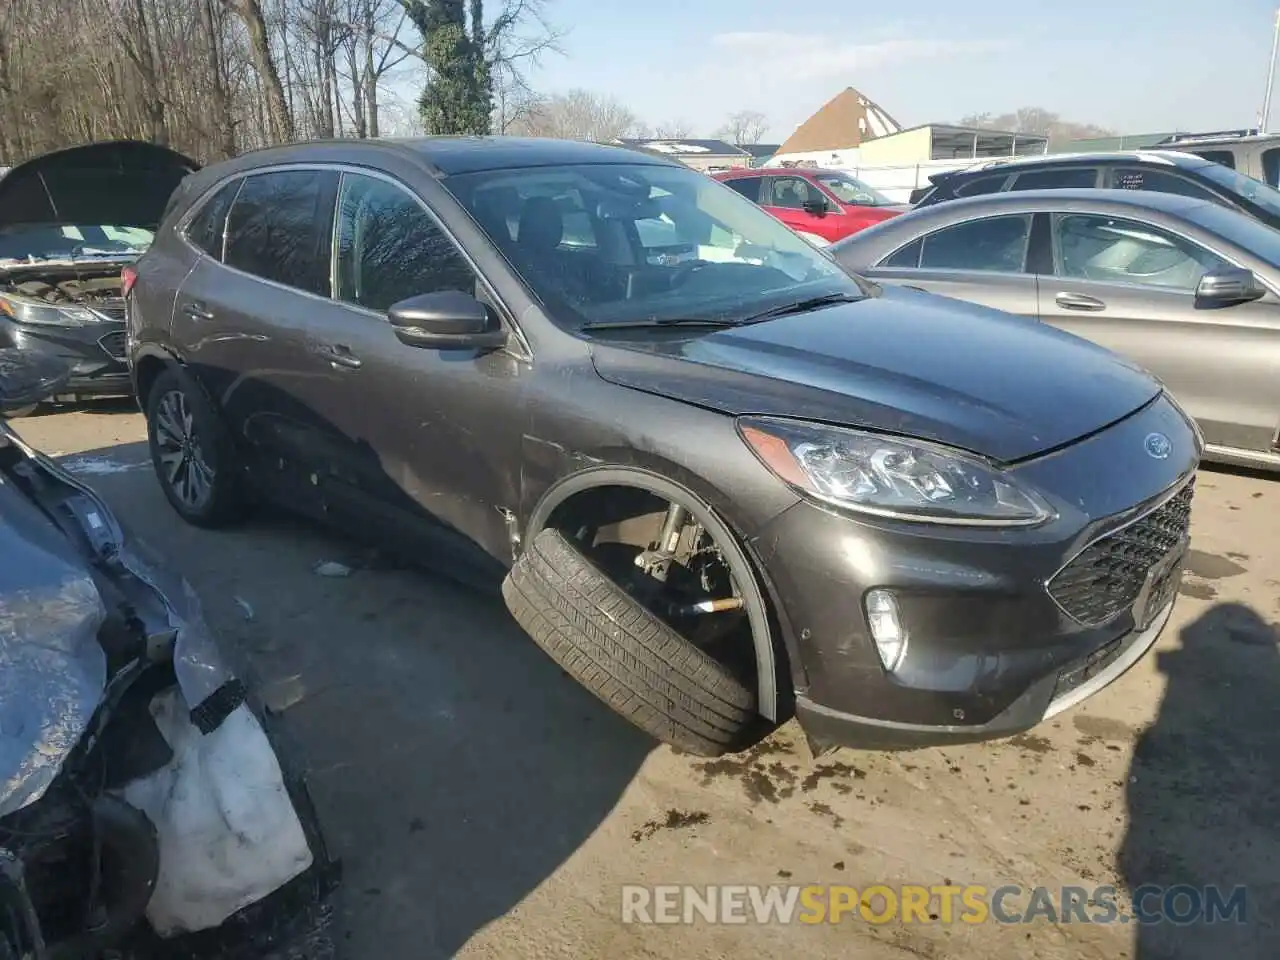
x=339 y=356
x=195 y=310
x=1078 y=301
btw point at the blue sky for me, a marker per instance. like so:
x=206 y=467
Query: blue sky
x=1135 y=65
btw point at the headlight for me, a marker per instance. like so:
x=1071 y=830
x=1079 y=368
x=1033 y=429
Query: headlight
x=25 y=311
x=889 y=477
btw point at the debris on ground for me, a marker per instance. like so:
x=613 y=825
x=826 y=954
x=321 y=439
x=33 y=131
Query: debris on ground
x=279 y=695
x=331 y=568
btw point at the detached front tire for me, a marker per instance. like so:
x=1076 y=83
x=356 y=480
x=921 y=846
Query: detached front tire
x=624 y=654
x=192 y=454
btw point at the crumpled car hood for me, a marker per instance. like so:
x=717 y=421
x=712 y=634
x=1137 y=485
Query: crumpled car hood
x=52 y=669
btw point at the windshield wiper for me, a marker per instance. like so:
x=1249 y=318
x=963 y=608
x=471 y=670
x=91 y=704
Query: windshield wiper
x=651 y=322
x=804 y=306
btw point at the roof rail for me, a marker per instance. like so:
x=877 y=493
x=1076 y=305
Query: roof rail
x=1209 y=135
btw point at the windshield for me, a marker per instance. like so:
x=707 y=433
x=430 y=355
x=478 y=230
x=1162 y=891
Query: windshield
x=848 y=189
x=1255 y=191
x=1239 y=229
x=627 y=242
x=73 y=241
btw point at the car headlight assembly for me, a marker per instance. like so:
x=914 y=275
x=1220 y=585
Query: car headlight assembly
x=48 y=314
x=892 y=477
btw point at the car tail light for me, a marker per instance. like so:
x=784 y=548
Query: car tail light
x=128 y=277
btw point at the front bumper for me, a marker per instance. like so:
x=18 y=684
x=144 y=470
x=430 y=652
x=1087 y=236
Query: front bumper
x=990 y=651
x=96 y=353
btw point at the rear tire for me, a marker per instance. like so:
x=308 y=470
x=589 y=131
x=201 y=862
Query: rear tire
x=13 y=413
x=629 y=658
x=192 y=454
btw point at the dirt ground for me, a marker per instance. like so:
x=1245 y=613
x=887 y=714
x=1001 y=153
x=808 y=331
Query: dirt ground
x=486 y=806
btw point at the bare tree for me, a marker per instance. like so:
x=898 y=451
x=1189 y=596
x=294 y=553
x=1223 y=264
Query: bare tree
x=672 y=130
x=577 y=115
x=250 y=11
x=214 y=77
x=1037 y=121
x=747 y=126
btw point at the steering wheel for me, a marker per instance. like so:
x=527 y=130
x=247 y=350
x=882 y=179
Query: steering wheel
x=684 y=273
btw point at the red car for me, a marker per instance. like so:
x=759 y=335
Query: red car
x=823 y=206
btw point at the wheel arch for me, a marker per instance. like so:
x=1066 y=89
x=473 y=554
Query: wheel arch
x=147 y=366
x=765 y=631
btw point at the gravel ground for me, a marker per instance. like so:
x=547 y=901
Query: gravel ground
x=485 y=805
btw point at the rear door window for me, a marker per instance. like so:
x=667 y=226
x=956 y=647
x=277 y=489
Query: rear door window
x=280 y=228
x=206 y=228
x=1159 y=181
x=1059 y=179
x=991 y=244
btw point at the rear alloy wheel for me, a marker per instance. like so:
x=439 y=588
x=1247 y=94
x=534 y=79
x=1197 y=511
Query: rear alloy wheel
x=635 y=661
x=192 y=458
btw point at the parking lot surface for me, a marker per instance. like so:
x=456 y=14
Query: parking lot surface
x=484 y=804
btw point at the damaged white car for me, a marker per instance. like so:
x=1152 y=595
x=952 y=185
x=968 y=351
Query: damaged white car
x=145 y=808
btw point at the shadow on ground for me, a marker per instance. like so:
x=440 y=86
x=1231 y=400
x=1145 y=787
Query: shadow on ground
x=454 y=765
x=1204 y=794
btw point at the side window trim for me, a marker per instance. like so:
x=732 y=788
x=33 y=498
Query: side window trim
x=505 y=313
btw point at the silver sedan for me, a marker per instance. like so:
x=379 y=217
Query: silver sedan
x=1186 y=288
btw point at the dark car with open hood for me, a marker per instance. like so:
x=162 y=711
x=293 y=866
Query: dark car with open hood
x=69 y=222
x=721 y=486
x=147 y=808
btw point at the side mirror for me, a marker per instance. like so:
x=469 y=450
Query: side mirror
x=1228 y=287
x=819 y=208
x=447 y=320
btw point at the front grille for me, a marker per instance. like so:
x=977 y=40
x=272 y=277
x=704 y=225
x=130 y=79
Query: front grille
x=1106 y=577
x=114 y=344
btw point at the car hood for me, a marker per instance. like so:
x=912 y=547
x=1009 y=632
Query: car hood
x=124 y=183
x=902 y=362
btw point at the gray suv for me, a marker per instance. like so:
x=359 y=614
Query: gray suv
x=723 y=480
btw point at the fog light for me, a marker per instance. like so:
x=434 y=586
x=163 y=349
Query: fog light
x=887 y=629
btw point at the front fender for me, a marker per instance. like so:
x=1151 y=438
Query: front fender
x=714 y=509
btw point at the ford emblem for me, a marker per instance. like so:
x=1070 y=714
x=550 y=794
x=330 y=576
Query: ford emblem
x=1158 y=446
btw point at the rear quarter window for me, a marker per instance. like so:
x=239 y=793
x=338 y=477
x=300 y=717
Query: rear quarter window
x=1224 y=157
x=749 y=187
x=905 y=257
x=207 y=226
x=980 y=185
